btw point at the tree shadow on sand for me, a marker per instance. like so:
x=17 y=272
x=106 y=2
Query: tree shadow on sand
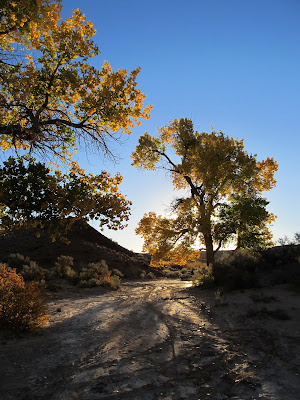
x=145 y=342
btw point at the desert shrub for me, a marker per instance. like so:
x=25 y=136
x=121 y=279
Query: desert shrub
x=150 y=275
x=186 y=274
x=247 y=268
x=63 y=268
x=98 y=274
x=281 y=255
x=17 y=261
x=113 y=282
x=29 y=269
x=168 y=273
x=238 y=270
x=208 y=282
x=203 y=276
x=118 y=273
x=185 y=270
x=220 y=299
x=22 y=305
x=33 y=272
x=141 y=258
x=286 y=274
x=143 y=274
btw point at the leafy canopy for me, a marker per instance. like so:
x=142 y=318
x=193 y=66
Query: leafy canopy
x=213 y=168
x=51 y=96
x=53 y=100
x=246 y=220
x=31 y=195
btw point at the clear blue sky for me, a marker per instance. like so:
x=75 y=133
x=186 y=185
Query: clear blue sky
x=232 y=64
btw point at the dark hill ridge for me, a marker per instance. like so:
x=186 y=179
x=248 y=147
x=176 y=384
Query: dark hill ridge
x=83 y=231
x=86 y=245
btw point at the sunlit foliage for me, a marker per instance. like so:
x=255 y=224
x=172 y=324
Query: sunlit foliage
x=52 y=101
x=30 y=194
x=51 y=95
x=245 y=220
x=214 y=169
x=23 y=306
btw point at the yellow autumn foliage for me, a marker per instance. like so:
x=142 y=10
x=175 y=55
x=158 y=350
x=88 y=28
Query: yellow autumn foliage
x=213 y=168
x=50 y=94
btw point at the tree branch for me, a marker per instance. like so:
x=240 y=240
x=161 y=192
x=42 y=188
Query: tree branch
x=60 y=121
x=50 y=84
x=181 y=233
x=219 y=246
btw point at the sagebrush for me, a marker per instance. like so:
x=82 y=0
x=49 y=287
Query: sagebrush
x=23 y=306
x=98 y=274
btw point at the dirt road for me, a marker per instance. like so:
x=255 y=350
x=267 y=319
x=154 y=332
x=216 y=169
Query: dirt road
x=155 y=340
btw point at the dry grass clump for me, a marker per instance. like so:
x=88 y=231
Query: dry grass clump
x=23 y=306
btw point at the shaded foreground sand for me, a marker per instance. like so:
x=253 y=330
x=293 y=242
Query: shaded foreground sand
x=158 y=340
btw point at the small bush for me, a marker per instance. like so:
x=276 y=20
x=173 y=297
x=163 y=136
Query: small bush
x=98 y=275
x=238 y=270
x=33 y=272
x=17 y=261
x=29 y=269
x=113 y=282
x=203 y=276
x=207 y=282
x=22 y=305
x=186 y=274
x=143 y=274
x=171 y=273
x=63 y=268
x=220 y=298
x=118 y=273
x=150 y=275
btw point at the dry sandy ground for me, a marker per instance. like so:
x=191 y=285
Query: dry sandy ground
x=158 y=340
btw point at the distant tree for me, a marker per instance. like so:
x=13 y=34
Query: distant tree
x=214 y=168
x=284 y=241
x=244 y=220
x=52 y=101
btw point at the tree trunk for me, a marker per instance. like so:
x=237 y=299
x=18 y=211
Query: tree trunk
x=239 y=241
x=210 y=257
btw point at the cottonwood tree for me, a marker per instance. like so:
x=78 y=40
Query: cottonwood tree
x=52 y=100
x=50 y=93
x=245 y=221
x=31 y=195
x=213 y=168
